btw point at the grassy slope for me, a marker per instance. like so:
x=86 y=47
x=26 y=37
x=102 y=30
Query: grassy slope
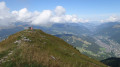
x=43 y=50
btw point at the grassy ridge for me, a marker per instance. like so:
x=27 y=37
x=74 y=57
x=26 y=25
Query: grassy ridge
x=43 y=50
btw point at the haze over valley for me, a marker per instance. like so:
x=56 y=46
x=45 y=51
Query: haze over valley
x=86 y=32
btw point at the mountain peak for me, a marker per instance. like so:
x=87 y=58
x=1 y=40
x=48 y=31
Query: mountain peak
x=34 y=48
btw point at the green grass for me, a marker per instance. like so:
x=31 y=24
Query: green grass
x=45 y=50
x=102 y=49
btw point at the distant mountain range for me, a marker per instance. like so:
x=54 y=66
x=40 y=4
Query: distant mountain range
x=112 y=30
x=98 y=41
x=4 y=33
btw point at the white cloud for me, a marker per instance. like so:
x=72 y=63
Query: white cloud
x=57 y=19
x=22 y=15
x=60 y=11
x=112 y=18
x=43 y=18
x=6 y=18
x=46 y=17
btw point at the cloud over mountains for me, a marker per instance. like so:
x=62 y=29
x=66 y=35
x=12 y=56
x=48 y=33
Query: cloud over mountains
x=58 y=15
x=113 y=18
x=46 y=17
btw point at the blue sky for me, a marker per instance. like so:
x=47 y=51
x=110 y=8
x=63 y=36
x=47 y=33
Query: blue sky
x=44 y=12
x=79 y=7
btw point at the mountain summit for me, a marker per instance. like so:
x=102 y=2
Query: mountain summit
x=38 y=49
